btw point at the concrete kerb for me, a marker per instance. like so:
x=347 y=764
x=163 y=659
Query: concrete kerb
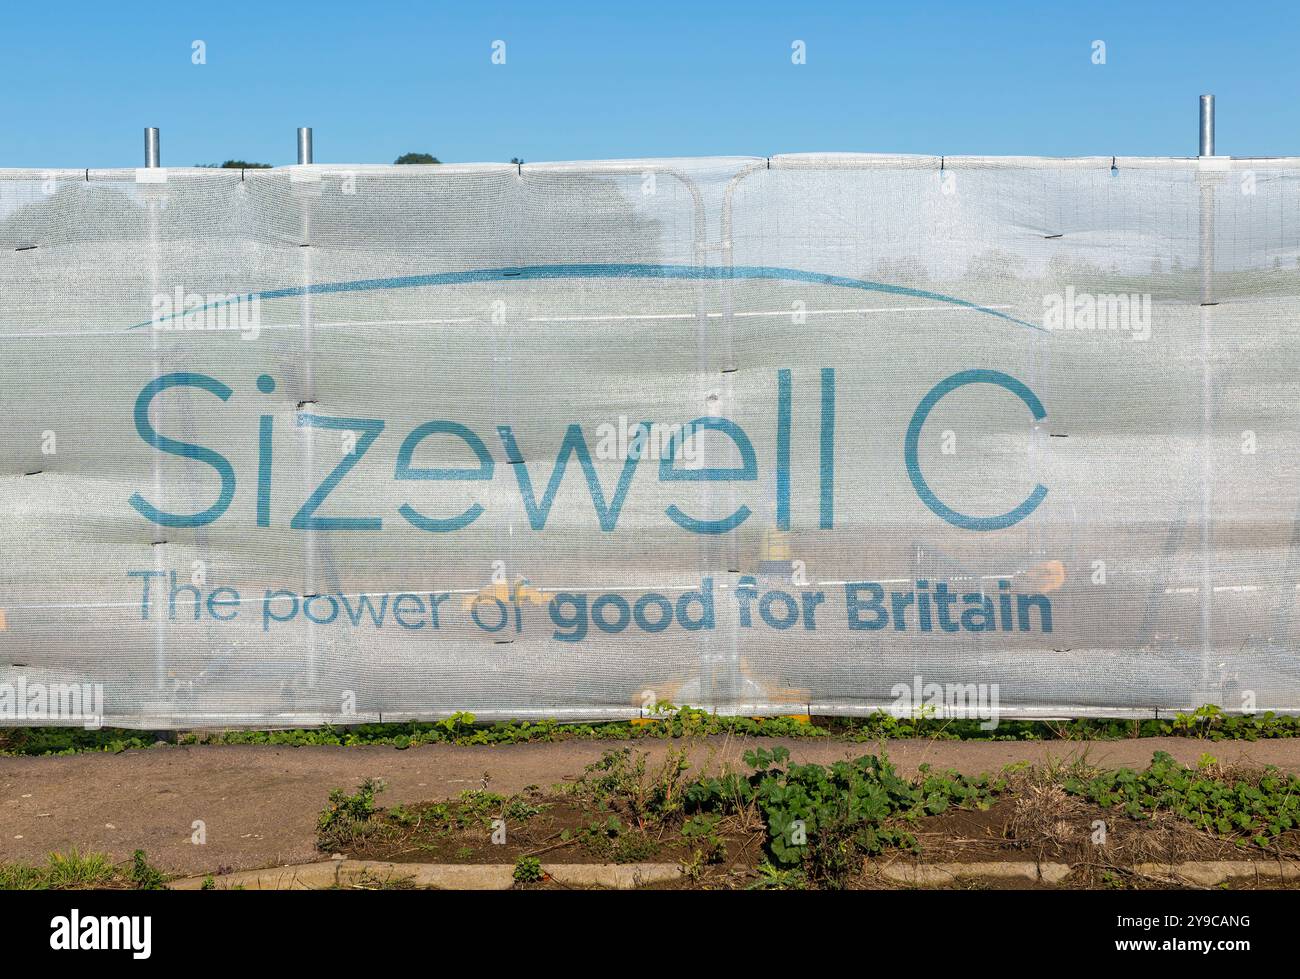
x=345 y=873
x=1211 y=872
x=466 y=877
x=931 y=874
x=1205 y=873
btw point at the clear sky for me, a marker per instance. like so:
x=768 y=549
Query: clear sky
x=586 y=80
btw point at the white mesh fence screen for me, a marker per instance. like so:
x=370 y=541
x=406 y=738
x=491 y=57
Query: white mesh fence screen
x=340 y=444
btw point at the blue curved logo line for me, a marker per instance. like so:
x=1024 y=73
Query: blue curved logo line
x=605 y=271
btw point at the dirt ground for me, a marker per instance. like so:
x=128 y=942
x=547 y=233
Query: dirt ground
x=259 y=804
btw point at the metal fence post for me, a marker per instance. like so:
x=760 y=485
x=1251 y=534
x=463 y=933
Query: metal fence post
x=306 y=193
x=152 y=148
x=153 y=161
x=1207 y=125
x=1207 y=180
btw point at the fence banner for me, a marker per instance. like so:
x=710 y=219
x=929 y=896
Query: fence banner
x=809 y=434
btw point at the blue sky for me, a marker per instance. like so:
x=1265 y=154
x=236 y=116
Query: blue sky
x=608 y=80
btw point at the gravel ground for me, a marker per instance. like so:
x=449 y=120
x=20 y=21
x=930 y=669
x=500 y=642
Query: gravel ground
x=259 y=803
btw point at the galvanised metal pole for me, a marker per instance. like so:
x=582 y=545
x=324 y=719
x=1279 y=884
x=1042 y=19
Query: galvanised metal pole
x=1208 y=178
x=153 y=161
x=1207 y=125
x=152 y=148
x=305 y=196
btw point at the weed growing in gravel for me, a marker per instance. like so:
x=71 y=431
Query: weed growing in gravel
x=353 y=820
x=75 y=871
x=348 y=818
x=144 y=876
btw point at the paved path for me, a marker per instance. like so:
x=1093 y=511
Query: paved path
x=260 y=803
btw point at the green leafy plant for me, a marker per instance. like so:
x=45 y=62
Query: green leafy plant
x=1248 y=810
x=825 y=818
x=402 y=816
x=528 y=870
x=612 y=839
x=773 y=878
x=701 y=830
x=520 y=808
x=669 y=721
x=477 y=806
